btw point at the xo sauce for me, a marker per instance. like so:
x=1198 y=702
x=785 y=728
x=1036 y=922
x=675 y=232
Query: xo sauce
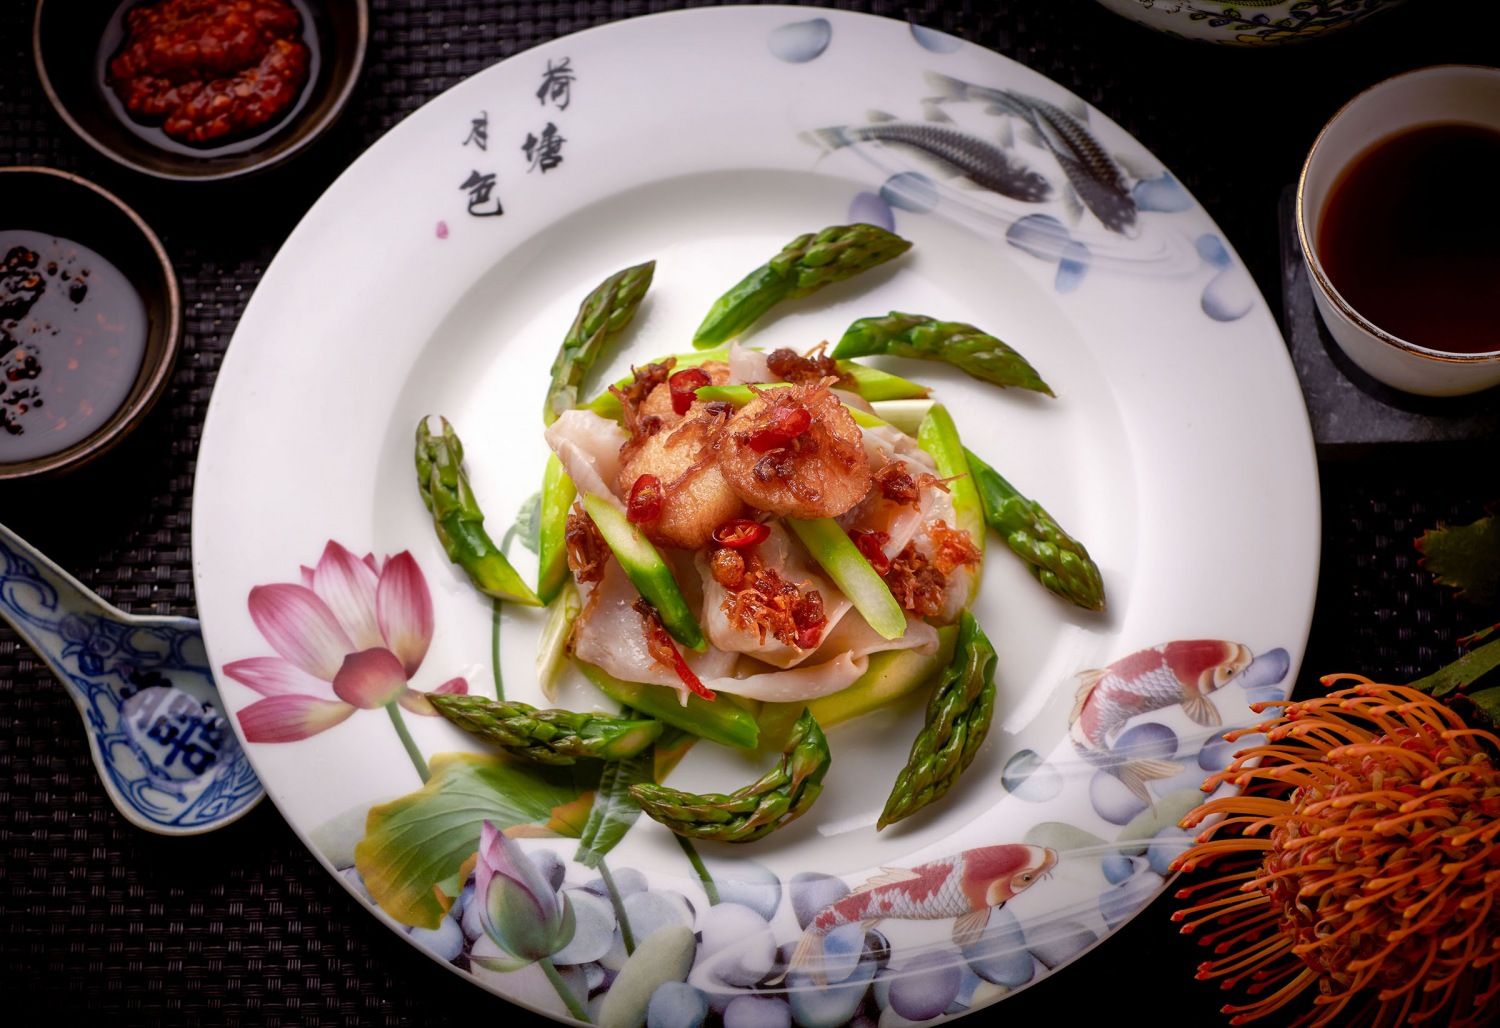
x=206 y=76
x=72 y=337
x=1410 y=236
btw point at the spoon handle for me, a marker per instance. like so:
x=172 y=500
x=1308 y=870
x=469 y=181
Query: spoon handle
x=143 y=686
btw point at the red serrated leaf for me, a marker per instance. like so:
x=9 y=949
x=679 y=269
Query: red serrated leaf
x=1465 y=557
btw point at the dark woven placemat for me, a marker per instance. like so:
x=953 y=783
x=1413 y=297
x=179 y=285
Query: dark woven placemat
x=103 y=924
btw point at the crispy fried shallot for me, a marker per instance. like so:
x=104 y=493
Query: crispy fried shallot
x=587 y=550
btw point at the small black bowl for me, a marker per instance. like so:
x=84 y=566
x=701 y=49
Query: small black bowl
x=58 y=204
x=73 y=43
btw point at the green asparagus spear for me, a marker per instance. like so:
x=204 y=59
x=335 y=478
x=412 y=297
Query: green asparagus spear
x=603 y=312
x=458 y=519
x=958 y=718
x=805 y=265
x=1059 y=562
x=780 y=796
x=968 y=349
x=547 y=736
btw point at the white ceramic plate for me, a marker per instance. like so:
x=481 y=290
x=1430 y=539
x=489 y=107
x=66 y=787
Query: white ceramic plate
x=1177 y=449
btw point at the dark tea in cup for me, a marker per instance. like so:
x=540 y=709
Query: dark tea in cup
x=1410 y=236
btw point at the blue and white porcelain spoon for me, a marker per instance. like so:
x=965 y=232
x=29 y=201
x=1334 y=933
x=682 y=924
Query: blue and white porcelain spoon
x=165 y=752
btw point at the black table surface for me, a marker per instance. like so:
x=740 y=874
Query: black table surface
x=102 y=924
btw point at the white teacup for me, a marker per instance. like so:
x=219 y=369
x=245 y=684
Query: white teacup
x=1461 y=94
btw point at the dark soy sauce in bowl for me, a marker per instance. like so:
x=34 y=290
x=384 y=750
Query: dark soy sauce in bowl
x=1410 y=237
x=72 y=336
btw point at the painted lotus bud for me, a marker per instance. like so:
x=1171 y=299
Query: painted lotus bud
x=518 y=907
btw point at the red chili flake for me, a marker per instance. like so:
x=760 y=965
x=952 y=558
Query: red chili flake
x=684 y=386
x=869 y=544
x=645 y=500
x=661 y=647
x=740 y=532
x=780 y=426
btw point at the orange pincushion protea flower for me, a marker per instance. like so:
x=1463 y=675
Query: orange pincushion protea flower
x=1360 y=862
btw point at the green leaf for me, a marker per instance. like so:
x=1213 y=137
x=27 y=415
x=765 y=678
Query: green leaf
x=420 y=841
x=614 y=811
x=1465 y=557
x=1480 y=709
x=1464 y=671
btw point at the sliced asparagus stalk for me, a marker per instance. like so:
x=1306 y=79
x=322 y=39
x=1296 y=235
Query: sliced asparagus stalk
x=717 y=720
x=832 y=548
x=558 y=494
x=890 y=675
x=938 y=435
x=647 y=571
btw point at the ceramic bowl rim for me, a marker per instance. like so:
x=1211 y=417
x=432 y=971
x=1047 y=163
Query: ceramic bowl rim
x=303 y=137
x=1315 y=264
x=155 y=375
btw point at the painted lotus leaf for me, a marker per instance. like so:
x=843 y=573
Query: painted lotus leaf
x=416 y=844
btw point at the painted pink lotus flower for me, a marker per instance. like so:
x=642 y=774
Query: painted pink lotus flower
x=350 y=636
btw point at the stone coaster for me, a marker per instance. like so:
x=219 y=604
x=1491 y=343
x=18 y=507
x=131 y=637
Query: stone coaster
x=1349 y=410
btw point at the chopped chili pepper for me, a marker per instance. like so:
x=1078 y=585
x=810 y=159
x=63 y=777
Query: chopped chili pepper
x=780 y=426
x=740 y=532
x=645 y=500
x=662 y=649
x=684 y=386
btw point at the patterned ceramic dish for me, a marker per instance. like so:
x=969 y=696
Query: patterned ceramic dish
x=1249 y=22
x=73 y=44
x=1176 y=448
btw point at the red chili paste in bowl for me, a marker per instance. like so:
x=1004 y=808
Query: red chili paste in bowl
x=210 y=70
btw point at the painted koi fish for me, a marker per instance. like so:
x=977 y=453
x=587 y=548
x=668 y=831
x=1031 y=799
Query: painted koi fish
x=1095 y=175
x=957 y=152
x=965 y=887
x=1180 y=673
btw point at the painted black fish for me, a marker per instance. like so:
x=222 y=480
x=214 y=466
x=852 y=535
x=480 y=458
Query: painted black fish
x=1095 y=176
x=980 y=161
